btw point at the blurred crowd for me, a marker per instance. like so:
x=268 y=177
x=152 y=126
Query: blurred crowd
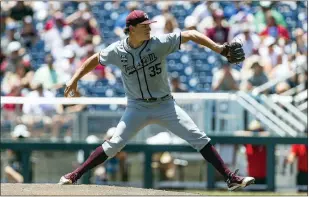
x=44 y=42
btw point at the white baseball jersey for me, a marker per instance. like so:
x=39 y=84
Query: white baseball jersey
x=144 y=69
x=144 y=75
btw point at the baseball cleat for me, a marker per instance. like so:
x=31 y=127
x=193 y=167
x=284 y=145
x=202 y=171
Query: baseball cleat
x=237 y=182
x=68 y=179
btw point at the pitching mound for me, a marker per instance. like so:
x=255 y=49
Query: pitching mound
x=81 y=190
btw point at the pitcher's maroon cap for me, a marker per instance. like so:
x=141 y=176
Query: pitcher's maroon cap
x=138 y=17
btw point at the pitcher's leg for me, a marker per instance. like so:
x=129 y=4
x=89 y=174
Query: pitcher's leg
x=178 y=121
x=131 y=122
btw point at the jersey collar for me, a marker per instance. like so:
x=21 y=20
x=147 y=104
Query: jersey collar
x=127 y=46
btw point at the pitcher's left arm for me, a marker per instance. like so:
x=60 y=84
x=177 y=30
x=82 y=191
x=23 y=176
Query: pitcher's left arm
x=232 y=51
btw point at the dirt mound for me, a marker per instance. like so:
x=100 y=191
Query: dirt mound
x=82 y=190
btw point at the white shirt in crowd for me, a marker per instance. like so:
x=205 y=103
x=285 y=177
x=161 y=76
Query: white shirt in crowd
x=39 y=109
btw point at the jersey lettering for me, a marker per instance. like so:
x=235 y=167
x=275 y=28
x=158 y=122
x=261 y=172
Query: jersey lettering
x=147 y=60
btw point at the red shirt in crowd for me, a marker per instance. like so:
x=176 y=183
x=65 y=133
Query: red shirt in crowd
x=256 y=156
x=11 y=106
x=218 y=34
x=301 y=152
x=276 y=31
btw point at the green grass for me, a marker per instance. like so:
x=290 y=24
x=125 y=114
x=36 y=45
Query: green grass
x=241 y=193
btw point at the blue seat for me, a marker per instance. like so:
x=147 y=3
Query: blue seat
x=109 y=92
x=101 y=82
x=229 y=9
x=185 y=58
x=98 y=107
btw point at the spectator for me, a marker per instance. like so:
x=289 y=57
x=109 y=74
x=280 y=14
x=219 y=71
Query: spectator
x=270 y=54
x=300 y=152
x=273 y=29
x=80 y=16
x=250 y=40
x=20 y=10
x=11 y=112
x=10 y=80
x=120 y=22
x=282 y=87
x=167 y=167
x=176 y=85
x=28 y=33
x=219 y=33
x=164 y=161
x=53 y=30
x=190 y=23
x=243 y=19
x=13 y=171
x=68 y=64
x=100 y=175
x=40 y=113
x=2 y=65
x=166 y=22
x=11 y=35
x=65 y=118
x=59 y=22
x=256 y=154
x=47 y=75
x=84 y=25
x=260 y=16
x=171 y=24
x=207 y=22
x=283 y=68
x=258 y=76
x=70 y=44
x=41 y=10
x=244 y=8
x=202 y=11
x=301 y=41
x=3 y=18
x=21 y=78
x=226 y=78
x=15 y=52
x=298 y=62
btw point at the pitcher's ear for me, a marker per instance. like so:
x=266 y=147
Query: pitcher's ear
x=130 y=28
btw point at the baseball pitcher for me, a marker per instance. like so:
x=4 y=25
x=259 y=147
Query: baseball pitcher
x=141 y=58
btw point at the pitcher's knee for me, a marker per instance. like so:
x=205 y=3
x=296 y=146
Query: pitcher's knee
x=200 y=143
x=112 y=148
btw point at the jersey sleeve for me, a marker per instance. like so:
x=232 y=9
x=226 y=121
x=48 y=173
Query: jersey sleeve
x=170 y=42
x=108 y=55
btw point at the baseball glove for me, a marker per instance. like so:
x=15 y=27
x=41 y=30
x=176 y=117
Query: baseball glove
x=233 y=52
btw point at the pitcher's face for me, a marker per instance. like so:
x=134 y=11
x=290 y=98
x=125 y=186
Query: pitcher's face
x=141 y=31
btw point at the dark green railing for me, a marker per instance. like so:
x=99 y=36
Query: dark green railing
x=270 y=142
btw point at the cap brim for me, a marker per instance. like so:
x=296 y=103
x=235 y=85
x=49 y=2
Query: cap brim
x=147 y=22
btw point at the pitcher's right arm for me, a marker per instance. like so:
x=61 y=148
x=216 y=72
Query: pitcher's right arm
x=105 y=56
x=87 y=66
